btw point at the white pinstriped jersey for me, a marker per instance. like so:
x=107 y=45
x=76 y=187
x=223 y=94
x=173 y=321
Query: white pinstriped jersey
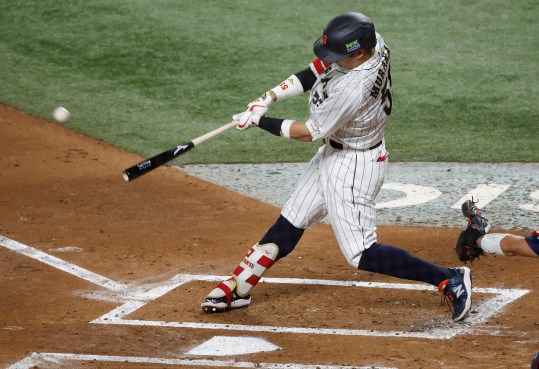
x=352 y=108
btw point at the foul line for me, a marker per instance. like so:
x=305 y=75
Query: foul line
x=61 y=264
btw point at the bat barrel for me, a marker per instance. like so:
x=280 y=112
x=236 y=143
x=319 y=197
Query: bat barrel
x=137 y=170
x=154 y=162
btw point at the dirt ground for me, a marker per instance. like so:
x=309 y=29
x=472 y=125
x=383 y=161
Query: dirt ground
x=62 y=193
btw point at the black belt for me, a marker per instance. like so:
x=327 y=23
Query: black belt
x=339 y=146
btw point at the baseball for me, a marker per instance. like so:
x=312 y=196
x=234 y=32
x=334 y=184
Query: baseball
x=61 y=114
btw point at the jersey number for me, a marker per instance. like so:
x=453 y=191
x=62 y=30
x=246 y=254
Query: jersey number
x=317 y=99
x=387 y=100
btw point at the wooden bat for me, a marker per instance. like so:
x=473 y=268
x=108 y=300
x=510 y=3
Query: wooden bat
x=156 y=161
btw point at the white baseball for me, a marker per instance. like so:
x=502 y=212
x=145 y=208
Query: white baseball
x=61 y=114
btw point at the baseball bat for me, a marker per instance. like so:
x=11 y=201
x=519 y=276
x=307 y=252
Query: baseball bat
x=156 y=161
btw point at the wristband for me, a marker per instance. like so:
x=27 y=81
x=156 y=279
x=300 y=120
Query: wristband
x=285 y=127
x=266 y=97
x=272 y=125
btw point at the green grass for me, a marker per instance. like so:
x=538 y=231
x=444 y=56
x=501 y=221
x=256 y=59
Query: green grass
x=147 y=75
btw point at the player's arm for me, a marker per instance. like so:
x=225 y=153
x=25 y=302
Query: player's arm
x=290 y=87
x=298 y=82
x=294 y=85
x=285 y=128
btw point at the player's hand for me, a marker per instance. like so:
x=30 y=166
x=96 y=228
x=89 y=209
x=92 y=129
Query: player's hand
x=246 y=120
x=261 y=105
x=255 y=109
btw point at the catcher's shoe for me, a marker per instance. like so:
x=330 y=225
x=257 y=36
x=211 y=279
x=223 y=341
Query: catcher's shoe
x=224 y=297
x=458 y=291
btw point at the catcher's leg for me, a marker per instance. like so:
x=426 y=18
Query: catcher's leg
x=510 y=245
x=233 y=293
x=491 y=243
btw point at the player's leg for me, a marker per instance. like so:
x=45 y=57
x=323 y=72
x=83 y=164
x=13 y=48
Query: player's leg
x=399 y=263
x=454 y=283
x=510 y=245
x=353 y=218
x=304 y=207
x=234 y=292
x=351 y=181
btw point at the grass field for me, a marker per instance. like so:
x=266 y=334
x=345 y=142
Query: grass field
x=147 y=75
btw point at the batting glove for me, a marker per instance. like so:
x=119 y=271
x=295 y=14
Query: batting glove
x=249 y=118
x=246 y=120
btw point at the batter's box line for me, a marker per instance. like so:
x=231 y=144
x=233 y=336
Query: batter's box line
x=137 y=296
x=485 y=310
x=44 y=358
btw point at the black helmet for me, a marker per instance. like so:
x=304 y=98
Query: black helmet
x=343 y=35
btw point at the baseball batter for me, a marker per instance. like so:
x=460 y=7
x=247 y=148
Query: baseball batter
x=349 y=107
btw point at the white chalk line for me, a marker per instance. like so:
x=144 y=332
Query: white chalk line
x=42 y=358
x=137 y=298
x=140 y=298
x=485 y=310
x=61 y=264
x=484 y=194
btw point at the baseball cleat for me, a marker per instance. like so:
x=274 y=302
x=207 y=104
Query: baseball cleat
x=458 y=291
x=224 y=298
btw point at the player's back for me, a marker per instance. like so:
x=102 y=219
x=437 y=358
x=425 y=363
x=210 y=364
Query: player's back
x=353 y=106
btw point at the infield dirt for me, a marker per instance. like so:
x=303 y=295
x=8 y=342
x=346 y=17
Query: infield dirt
x=63 y=193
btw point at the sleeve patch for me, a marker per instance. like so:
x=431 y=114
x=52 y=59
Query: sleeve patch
x=314 y=128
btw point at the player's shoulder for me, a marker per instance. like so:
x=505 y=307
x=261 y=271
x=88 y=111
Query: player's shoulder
x=318 y=66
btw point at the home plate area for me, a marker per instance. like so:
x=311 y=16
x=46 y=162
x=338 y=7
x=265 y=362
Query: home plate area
x=400 y=311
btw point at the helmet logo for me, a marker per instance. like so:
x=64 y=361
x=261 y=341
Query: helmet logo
x=352 y=46
x=324 y=39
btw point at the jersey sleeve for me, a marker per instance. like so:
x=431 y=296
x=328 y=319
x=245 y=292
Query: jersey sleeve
x=318 y=67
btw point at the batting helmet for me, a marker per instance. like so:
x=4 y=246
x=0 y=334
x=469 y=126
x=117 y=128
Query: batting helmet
x=343 y=35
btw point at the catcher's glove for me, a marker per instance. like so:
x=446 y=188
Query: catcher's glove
x=466 y=248
x=469 y=209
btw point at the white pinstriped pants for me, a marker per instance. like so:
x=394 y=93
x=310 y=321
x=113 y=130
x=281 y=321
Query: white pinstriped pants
x=342 y=184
